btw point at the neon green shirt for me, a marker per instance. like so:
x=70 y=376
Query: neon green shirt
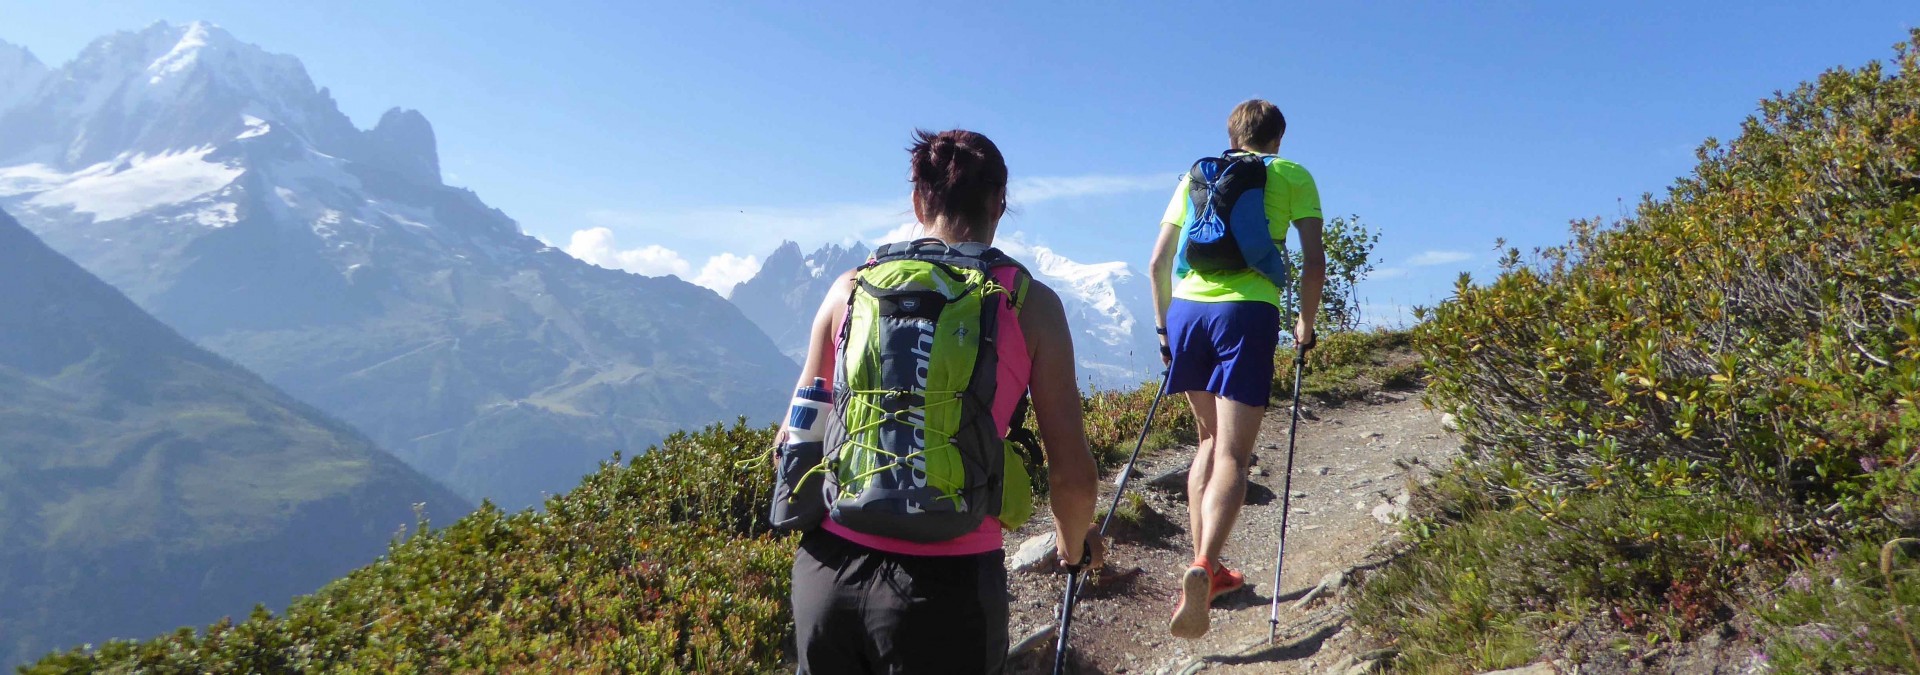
x=1290 y=195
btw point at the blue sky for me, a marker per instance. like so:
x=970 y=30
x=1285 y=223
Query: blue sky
x=712 y=131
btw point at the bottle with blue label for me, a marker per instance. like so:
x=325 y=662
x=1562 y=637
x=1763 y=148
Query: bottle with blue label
x=798 y=503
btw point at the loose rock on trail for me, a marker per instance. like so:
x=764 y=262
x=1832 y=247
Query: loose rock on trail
x=1352 y=470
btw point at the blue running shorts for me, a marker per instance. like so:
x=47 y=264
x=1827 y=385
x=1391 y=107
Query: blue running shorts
x=1223 y=348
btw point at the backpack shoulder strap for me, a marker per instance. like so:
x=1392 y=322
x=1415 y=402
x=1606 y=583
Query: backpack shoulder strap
x=1023 y=438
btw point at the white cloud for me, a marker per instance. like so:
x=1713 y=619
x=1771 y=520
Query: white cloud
x=720 y=272
x=760 y=227
x=1432 y=258
x=1048 y=188
x=866 y=221
x=597 y=246
x=904 y=232
x=1388 y=273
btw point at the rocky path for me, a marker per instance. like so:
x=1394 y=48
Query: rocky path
x=1352 y=462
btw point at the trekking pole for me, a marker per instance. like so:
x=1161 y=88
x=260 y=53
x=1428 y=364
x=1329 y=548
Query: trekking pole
x=1073 y=571
x=1286 y=494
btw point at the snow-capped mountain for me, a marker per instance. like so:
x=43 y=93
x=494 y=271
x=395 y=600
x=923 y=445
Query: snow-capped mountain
x=1109 y=307
x=781 y=298
x=216 y=186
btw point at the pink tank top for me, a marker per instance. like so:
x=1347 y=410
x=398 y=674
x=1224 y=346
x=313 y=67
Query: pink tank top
x=1016 y=369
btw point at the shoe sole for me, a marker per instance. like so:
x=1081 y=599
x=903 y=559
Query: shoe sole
x=1190 y=618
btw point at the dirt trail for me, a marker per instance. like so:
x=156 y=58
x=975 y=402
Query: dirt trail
x=1345 y=467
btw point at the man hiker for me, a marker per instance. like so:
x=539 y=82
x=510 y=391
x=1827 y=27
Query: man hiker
x=1218 y=270
x=935 y=348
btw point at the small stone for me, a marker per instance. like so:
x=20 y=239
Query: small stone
x=1359 y=506
x=1340 y=667
x=1256 y=470
x=1363 y=668
x=1299 y=495
x=1172 y=482
x=1035 y=555
x=1369 y=436
x=1323 y=470
x=1386 y=514
x=1535 y=669
x=1310 y=528
x=1449 y=422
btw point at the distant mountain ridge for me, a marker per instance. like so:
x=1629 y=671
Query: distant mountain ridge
x=146 y=483
x=782 y=297
x=212 y=183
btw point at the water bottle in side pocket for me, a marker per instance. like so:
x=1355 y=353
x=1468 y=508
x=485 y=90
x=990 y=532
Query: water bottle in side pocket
x=798 y=504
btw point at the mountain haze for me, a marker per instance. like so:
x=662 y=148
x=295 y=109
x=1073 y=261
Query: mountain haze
x=214 y=184
x=147 y=484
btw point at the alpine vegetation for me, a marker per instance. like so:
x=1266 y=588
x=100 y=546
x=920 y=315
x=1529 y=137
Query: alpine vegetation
x=1672 y=417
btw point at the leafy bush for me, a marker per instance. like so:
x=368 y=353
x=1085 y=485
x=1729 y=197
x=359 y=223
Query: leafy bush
x=1736 y=364
x=1755 y=334
x=1349 y=247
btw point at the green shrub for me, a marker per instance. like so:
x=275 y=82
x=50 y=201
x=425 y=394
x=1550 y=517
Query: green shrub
x=1755 y=334
x=1349 y=247
x=1669 y=416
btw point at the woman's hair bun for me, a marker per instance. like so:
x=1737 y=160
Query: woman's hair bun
x=957 y=174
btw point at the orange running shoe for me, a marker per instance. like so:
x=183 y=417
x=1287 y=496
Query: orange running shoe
x=1224 y=581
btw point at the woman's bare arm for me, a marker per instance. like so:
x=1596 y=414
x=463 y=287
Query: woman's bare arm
x=1071 y=474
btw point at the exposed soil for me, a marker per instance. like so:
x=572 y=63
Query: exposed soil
x=1349 y=460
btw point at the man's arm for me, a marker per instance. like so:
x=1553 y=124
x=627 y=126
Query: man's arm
x=1160 y=273
x=1166 y=247
x=1312 y=279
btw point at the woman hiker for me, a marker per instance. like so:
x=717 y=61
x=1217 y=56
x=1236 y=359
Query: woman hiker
x=1217 y=305
x=930 y=348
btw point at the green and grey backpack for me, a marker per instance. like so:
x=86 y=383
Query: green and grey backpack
x=912 y=450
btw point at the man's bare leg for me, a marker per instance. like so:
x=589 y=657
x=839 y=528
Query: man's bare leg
x=1202 y=469
x=1237 y=425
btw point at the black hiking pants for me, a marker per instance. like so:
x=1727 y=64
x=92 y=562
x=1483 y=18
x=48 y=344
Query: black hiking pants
x=858 y=610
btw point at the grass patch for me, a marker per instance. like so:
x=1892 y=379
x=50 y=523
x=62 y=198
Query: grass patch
x=1479 y=593
x=1844 y=612
x=1349 y=365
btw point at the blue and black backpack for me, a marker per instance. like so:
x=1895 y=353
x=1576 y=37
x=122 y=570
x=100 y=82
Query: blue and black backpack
x=1228 y=228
